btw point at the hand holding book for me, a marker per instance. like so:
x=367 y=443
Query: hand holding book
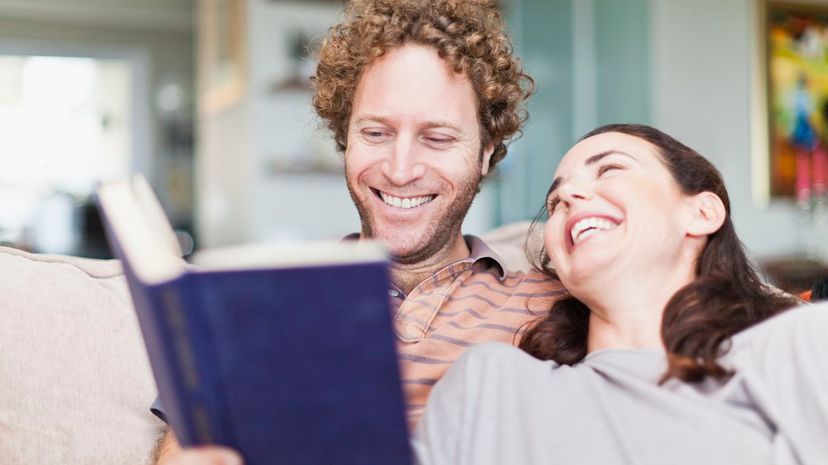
x=204 y=455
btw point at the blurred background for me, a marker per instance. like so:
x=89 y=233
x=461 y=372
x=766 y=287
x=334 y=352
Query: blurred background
x=210 y=100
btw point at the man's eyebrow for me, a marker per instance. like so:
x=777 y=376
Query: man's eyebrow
x=377 y=118
x=589 y=161
x=387 y=121
x=427 y=124
x=441 y=124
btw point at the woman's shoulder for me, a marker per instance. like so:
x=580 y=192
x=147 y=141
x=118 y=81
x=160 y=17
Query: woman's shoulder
x=807 y=320
x=488 y=371
x=799 y=331
x=496 y=353
x=497 y=360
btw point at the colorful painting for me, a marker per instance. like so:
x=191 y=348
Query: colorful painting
x=797 y=41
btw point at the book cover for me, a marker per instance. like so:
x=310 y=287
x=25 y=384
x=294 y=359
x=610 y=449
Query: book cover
x=284 y=353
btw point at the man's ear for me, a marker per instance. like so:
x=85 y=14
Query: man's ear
x=487 y=157
x=708 y=213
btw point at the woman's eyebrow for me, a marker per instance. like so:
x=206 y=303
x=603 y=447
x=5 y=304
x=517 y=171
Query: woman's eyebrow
x=589 y=161
x=597 y=157
x=555 y=184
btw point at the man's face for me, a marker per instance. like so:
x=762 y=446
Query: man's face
x=413 y=161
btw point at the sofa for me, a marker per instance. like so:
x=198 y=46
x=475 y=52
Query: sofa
x=75 y=381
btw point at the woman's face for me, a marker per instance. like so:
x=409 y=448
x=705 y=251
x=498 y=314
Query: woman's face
x=613 y=208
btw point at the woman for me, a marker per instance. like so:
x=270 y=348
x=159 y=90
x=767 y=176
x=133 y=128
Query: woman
x=657 y=356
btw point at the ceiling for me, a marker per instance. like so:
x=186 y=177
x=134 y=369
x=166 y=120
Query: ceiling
x=168 y=15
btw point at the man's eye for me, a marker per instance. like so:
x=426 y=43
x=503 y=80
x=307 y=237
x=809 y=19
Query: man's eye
x=372 y=133
x=438 y=141
x=609 y=167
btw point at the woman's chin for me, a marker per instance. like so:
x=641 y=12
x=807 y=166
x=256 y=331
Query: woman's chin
x=584 y=272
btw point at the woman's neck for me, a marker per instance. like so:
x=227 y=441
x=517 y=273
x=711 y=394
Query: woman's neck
x=626 y=313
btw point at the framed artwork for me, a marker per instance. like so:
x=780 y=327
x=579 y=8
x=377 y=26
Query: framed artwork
x=796 y=36
x=222 y=59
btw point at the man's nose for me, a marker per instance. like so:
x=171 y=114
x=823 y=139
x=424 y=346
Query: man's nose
x=403 y=164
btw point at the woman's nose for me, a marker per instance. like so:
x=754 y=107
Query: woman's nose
x=574 y=190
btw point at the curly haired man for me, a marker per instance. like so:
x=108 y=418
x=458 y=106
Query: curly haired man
x=421 y=97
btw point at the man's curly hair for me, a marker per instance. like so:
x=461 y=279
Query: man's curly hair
x=469 y=35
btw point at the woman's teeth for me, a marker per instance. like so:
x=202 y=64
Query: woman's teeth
x=589 y=226
x=405 y=203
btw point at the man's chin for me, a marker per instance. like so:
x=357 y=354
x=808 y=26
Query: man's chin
x=405 y=249
x=402 y=251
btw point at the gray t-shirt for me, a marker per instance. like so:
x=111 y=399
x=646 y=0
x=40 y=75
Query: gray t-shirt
x=498 y=405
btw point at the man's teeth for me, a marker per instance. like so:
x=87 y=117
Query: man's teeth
x=405 y=203
x=589 y=226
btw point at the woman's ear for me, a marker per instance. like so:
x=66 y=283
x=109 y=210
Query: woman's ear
x=707 y=215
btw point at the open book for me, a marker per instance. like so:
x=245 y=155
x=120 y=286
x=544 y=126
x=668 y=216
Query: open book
x=285 y=353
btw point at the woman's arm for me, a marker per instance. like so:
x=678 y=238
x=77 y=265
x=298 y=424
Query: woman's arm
x=477 y=413
x=784 y=362
x=437 y=436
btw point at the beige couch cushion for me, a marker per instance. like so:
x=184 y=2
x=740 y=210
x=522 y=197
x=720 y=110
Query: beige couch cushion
x=509 y=243
x=75 y=382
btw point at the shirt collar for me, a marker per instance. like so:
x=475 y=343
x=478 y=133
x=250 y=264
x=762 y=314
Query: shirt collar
x=479 y=251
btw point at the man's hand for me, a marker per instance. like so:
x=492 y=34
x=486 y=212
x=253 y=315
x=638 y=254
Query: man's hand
x=170 y=453
x=204 y=455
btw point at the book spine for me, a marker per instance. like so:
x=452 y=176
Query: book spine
x=194 y=425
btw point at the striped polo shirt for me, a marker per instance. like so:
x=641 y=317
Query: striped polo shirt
x=470 y=301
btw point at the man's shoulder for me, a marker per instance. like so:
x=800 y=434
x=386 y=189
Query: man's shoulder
x=512 y=243
x=514 y=276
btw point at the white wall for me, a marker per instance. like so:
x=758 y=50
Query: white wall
x=290 y=206
x=702 y=62
x=223 y=174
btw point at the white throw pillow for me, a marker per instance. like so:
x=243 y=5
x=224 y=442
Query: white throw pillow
x=75 y=381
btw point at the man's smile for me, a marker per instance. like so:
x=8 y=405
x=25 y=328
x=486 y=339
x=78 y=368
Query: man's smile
x=403 y=202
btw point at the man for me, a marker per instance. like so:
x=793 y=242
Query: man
x=422 y=96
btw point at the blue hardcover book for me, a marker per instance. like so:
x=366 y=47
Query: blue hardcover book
x=284 y=353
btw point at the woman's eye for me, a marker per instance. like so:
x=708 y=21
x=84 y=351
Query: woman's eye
x=609 y=167
x=551 y=204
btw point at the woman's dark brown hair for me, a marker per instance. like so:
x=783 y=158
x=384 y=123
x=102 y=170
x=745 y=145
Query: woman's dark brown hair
x=726 y=297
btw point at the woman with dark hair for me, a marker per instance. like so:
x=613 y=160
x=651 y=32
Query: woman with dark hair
x=657 y=355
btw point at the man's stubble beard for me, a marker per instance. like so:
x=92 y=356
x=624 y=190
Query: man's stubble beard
x=436 y=237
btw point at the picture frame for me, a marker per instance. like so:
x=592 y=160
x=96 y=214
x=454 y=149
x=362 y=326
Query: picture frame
x=222 y=54
x=796 y=73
